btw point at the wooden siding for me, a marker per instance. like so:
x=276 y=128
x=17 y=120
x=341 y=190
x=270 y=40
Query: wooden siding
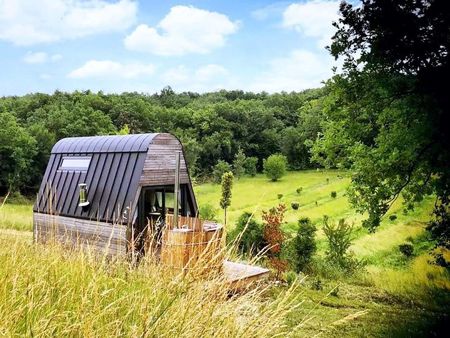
x=159 y=166
x=104 y=237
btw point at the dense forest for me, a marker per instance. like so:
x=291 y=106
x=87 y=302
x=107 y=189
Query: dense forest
x=213 y=126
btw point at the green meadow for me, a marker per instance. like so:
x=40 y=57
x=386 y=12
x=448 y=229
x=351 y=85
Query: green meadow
x=392 y=296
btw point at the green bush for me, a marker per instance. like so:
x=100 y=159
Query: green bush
x=275 y=166
x=316 y=284
x=250 y=165
x=290 y=277
x=333 y=194
x=406 y=249
x=392 y=217
x=339 y=240
x=248 y=234
x=335 y=291
x=220 y=168
x=295 y=205
x=304 y=243
x=280 y=196
x=299 y=190
x=208 y=212
x=238 y=164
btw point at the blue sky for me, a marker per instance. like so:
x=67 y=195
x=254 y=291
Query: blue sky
x=130 y=45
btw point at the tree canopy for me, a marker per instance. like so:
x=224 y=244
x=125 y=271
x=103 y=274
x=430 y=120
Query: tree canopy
x=214 y=127
x=387 y=112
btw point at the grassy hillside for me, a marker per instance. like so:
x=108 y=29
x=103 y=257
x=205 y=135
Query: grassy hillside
x=392 y=296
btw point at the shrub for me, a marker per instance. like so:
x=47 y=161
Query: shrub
x=208 y=212
x=250 y=165
x=275 y=166
x=328 y=180
x=335 y=291
x=392 y=217
x=406 y=249
x=16 y=197
x=274 y=237
x=333 y=194
x=238 y=163
x=339 y=241
x=219 y=169
x=290 y=277
x=227 y=185
x=280 y=196
x=316 y=284
x=299 y=190
x=248 y=234
x=295 y=205
x=304 y=243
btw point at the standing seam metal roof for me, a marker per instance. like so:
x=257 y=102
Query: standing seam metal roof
x=112 y=178
x=104 y=144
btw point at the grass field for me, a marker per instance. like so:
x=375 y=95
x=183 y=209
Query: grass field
x=394 y=296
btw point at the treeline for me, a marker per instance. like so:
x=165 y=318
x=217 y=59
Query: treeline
x=213 y=126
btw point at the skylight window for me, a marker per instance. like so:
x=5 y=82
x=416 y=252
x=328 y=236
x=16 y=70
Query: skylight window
x=75 y=163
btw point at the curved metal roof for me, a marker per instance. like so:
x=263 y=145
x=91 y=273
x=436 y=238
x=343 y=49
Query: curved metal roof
x=104 y=144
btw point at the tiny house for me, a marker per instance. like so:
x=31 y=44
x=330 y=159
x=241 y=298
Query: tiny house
x=106 y=190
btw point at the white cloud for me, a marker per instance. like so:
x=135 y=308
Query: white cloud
x=107 y=68
x=177 y=75
x=300 y=70
x=185 y=29
x=313 y=19
x=56 y=57
x=45 y=76
x=40 y=57
x=204 y=78
x=210 y=72
x=268 y=11
x=26 y=22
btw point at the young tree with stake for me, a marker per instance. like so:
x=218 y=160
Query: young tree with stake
x=227 y=185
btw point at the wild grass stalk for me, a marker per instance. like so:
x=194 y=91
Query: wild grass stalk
x=46 y=290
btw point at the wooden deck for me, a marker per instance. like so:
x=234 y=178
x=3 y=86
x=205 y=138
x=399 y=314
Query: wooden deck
x=241 y=276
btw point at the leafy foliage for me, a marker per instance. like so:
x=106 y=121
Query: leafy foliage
x=304 y=243
x=250 y=166
x=275 y=166
x=208 y=212
x=387 y=113
x=17 y=150
x=227 y=185
x=248 y=234
x=274 y=237
x=406 y=249
x=239 y=163
x=220 y=168
x=339 y=239
x=211 y=126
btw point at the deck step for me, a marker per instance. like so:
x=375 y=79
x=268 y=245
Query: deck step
x=241 y=276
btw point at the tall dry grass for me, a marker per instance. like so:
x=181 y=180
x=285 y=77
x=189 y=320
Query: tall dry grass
x=45 y=290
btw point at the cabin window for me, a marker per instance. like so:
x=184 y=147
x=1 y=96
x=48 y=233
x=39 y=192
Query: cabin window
x=76 y=163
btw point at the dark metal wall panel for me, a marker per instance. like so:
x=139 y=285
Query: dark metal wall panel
x=113 y=177
x=99 y=185
x=128 y=192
